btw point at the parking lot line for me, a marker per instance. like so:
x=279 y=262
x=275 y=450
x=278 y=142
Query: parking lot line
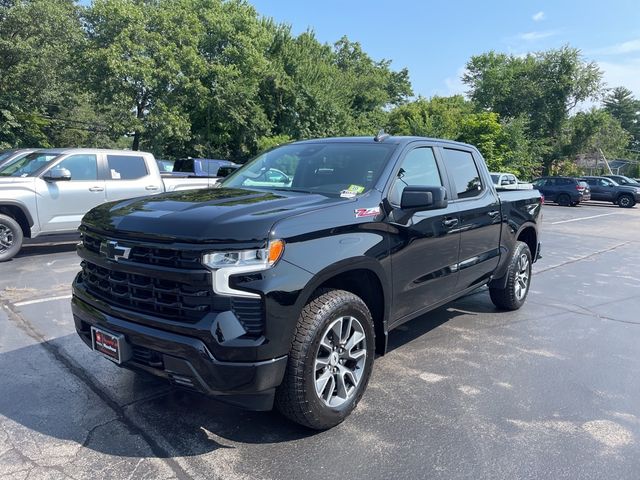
x=583 y=218
x=42 y=300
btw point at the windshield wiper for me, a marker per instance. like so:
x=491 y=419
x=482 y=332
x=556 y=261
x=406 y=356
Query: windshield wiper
x=284 y=189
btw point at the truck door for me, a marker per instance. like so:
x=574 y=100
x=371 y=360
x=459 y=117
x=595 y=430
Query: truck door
x=128 y=176
x=480 y=216
x=62 y=204
x=424 y=244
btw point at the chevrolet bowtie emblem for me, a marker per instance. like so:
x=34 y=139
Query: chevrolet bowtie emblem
x=113 y=251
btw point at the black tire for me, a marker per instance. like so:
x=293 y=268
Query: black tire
x=296 y=397
x=10 y=238
x=511 y=297
x=574 y=204
x=626 y=201
x=563 y=200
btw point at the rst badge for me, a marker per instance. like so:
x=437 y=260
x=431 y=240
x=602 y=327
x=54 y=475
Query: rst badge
x=367 y=212
x=113 y=251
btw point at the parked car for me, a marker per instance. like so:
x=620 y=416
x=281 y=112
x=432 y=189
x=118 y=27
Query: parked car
x=48 y=191
x=286 y=293
x=565 y=191
x=201 y=167
x=622 y=180
x=606 y=190
x=508 y=181
x=8 y=156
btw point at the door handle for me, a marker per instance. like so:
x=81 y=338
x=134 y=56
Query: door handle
x=450 y=222
x=151 y=187
x=96 y=189
x=493 y=213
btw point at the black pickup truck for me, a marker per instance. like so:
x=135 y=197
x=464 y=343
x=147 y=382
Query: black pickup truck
x=284 y=292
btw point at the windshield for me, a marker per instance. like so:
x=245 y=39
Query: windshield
x=495 y=178
x=28 y=165
x=622 y=180
x=332 y=169
x=5 y=154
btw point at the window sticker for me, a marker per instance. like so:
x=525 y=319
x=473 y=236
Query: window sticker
x=352 y=191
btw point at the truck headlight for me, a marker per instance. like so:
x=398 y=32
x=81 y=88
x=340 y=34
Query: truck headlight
x=225 y=264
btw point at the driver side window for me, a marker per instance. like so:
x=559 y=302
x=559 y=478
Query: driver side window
x=418 y=169
x=82 y=166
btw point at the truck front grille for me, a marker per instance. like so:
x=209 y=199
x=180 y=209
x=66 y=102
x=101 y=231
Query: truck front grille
x=164 y=257
x=153 y=290
x=155 y=296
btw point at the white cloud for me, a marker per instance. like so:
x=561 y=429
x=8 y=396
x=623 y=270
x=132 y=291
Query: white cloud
x=454 y=85
x=624 y=73
x=630 y=46
x=537 y=17
x=533 y=36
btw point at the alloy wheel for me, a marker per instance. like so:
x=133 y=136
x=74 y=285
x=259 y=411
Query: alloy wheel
x=523 y=273
x=340 y=361
x=6 y=238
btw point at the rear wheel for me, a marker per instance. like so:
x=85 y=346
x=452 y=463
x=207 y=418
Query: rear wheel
x=10 y=238
x=626 y=201
x=563 y=200
x=330 y=360
x=515 y=291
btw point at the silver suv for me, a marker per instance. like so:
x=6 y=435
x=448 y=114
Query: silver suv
x=49 y=191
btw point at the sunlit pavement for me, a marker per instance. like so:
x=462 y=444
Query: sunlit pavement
x=550 y=391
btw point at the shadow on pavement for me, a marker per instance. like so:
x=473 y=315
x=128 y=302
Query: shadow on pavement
x=48 y=398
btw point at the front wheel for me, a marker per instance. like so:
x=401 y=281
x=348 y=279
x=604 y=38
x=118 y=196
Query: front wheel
x=330 y=361
x=626 y=201
x=563 y=200
x=10 y=238
x=513 y=295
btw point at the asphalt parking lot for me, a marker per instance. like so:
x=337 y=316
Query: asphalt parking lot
x=549 y=391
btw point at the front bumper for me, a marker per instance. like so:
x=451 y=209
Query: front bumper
x=186 y=361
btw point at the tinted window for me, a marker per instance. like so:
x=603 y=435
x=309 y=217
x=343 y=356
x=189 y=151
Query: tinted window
x=464 y=172
x=418 y=169
x=184 y=165
x=126 y=167
x=82 y=167
x=333 y=169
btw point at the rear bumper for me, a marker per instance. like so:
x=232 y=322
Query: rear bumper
x=186 y=361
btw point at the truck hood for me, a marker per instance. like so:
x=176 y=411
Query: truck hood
x=219 y=215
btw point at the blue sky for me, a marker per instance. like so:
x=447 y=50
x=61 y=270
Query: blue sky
x=434 y=40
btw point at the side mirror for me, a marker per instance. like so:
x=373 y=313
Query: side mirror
x=423 y=198
x=57 y=175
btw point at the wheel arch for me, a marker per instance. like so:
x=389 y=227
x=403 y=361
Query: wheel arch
x=529 y=235
x=363 y=277
x=20 y=214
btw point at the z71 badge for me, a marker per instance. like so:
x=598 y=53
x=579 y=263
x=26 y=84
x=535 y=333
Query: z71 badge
x=367 y=212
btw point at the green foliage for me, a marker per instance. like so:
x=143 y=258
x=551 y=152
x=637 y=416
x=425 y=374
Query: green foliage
x=214 y=78
x=39 y=40
x=544 y=87
x=625 y=108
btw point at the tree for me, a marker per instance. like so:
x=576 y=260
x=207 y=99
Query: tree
x=142 y=58
x=595 y=131
x=544 y=87
x=38 y=84
x=624 y=107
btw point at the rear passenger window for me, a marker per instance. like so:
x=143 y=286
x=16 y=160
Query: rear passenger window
x=82 y=167
x=126 y=167
x=464 y=172
x=418 y=169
